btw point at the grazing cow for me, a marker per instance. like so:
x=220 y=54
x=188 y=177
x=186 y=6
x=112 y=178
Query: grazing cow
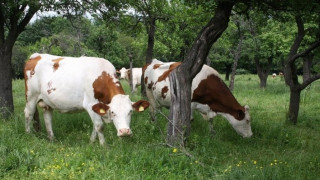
x=136 y=76
x=69 y=84
x=210 y=95
x=274 y=75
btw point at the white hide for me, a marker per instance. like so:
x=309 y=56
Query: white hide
x=71 y=86
x=136 y=76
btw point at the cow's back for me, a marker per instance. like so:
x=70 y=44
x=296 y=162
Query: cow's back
x=64 y=83
x=156 y=78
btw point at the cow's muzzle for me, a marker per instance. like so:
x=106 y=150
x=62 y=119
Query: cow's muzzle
x=124 y=132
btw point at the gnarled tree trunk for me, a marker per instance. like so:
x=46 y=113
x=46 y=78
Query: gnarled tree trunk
x=290 y=72
x=263 y=71
x=181 y=77
x=6 y=98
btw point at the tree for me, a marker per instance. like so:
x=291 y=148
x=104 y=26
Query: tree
x=237 y=52
x=268 y=43
x=290 y=70
x=181 y=77
x=14 y=17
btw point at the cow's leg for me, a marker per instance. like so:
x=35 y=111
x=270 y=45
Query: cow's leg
x=93 y=135
x=29 y=111
x=97 y=127
x=47 y=115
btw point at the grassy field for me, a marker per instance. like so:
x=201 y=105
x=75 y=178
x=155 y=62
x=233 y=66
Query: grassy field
x=277 y=150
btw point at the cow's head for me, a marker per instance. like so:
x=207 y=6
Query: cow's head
x=242 y=126
x=123 y=73
x=119 y=112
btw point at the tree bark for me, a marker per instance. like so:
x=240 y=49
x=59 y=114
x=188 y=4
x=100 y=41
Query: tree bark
x=228 y=71
x=6 y=98
x=149 y=54
x=151 y=32
x=179 y=128
x=294 y=105
x=237 y=55
x=263 y=71
x=130 y=74
x=181 y=77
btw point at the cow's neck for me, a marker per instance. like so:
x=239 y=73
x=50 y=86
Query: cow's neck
x=213 y=92
x=105 y=87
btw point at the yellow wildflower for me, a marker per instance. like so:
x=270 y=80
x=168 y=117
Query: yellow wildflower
x=175 y=150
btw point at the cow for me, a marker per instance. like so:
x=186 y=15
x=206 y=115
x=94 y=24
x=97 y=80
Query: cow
x=210 y=95
x=274 y=75
x=136 y=76
x=69 y=84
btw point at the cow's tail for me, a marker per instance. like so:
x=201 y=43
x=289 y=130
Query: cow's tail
x=36 y=121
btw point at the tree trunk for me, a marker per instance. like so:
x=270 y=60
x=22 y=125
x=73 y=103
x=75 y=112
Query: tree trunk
x=130 y=74
x=149 y=54
x=181 y=77
x=208 y=61
x=179 y=128
x=307 y=63
x=233 y=73
x=6 y=98
x=294 y=105
x=228 y=71
x=263 y=71
x=237 y=55
x=151 y=32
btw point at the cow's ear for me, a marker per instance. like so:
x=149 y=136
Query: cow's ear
x=100 y=108
x=140 y=105
x=240 y=115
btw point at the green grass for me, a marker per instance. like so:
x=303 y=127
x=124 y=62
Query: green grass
x=277 y=149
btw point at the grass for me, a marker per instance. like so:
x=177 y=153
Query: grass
x=277 y=149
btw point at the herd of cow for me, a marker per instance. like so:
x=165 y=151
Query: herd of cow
x=69 y=84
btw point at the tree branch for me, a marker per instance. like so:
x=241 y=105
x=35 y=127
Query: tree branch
x=306 y=52
x=296 y=44
x=32 y=10
x=309 y=81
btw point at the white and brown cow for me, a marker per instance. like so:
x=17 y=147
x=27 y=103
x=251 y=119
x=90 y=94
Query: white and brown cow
x=136 y=76
x=69 y=84
x=210 y=95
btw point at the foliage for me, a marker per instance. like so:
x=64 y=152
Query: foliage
x=276 y=150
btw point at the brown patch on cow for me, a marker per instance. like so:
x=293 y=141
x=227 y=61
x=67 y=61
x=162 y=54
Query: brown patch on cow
x=164 y=92
x=150 y=85
x=145 y=67
x=166 y=73
x=30 y=66
x=214 y=92
x=56 y=63
x=156 y=66
x=104 y=88
x=145 y=80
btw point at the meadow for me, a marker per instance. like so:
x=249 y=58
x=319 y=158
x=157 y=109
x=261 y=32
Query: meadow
x=277 y=149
